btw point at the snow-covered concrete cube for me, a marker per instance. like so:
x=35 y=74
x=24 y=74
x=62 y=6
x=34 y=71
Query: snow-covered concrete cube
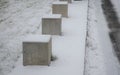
x=51 y=24
x=60 y=7
x=69 y=1
x=37 y=50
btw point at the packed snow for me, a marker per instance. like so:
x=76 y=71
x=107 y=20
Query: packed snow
x=52 y=16
x=37 y=38
x=60 y=2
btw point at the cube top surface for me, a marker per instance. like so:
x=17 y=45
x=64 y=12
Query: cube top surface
x=52 y=16
x=37 y=38
x=60 y=2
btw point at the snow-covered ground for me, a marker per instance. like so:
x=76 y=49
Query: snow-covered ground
x=17 y=19
x=94 y=55
x=100 y=57
x=68 y=48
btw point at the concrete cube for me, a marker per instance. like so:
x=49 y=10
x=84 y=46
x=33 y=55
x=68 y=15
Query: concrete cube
x=69 y=1
x=60 y=7
x=51 y=24
x=37 y=50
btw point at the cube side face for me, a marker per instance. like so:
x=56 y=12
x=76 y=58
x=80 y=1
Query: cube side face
x=56 y=28
x=50 y=51
x=69 y=1
x=60 y=9
x=36 y=54
x=46 y=26
x=51 y=26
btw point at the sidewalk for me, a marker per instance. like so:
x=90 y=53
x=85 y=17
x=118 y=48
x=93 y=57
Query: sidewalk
x=69 y=48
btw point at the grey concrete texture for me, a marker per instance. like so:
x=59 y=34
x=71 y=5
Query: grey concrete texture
x=51 y=26
x=60 y=9
x=69 y=1
x=37 y=53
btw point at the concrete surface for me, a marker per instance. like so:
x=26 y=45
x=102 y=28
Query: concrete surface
x=37 y=52
x=60 y=7
x=51 y=24
x=69 y=1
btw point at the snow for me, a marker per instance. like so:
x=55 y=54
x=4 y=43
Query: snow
x=100 y=57
x=37 y=38
x=68 y=48
x=110 y=59
x=18 y=18
x=94 y=56
x=52 y=16
x=60 y=2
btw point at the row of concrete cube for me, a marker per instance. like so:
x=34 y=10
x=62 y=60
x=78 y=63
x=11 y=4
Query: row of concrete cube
x=51 y=24
x=37 y=49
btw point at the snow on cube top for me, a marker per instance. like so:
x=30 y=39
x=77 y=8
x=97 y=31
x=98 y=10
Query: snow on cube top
x=60 y=2
x=37 y=38
x=52 y=16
